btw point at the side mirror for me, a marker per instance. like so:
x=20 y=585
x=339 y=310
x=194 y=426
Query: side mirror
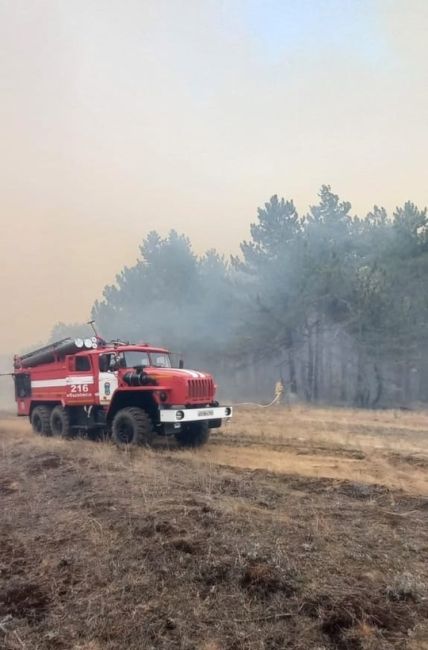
x=181 y=364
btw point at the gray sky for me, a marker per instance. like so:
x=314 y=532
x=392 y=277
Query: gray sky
x=118 y=117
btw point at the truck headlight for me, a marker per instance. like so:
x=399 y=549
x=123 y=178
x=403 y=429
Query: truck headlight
x=227 y=410
x=179 y=415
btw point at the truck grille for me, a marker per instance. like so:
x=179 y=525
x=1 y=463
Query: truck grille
x=200 y=389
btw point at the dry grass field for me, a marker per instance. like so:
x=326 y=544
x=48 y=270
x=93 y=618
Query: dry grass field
x=293 y=528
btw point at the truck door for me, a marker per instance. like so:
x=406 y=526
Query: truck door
x=80 y=382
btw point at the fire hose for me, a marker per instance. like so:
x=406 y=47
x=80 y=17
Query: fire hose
x=279 y=391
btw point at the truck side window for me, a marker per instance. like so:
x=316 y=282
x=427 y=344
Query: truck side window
x=82 y=364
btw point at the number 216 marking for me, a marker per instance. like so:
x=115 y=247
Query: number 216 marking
x=79 y=388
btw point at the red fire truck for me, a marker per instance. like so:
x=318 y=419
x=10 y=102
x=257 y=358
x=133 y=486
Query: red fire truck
x=129 y=392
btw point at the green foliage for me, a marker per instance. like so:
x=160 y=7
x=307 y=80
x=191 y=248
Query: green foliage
x=170 y=296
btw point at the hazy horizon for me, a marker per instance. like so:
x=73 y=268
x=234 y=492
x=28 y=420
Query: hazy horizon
x=118 y=118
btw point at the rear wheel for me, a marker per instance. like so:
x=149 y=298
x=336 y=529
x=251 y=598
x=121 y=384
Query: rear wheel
x=193 y=434
x=132 y=426
x=40 y=420
x=60 y=422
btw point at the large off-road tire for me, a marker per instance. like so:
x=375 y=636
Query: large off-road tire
x=194 y=434
x=40 y=420
x=60 y=422
x=132 y=426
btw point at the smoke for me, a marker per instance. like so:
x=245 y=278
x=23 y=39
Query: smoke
x=116 y=119
x=6 y=383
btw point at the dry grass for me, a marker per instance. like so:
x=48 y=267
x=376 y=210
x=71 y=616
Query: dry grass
x=399 y=430
x=387 y=447
x=166 y=549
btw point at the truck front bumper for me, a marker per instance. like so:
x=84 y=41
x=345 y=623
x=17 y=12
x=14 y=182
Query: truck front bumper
x=196 y=414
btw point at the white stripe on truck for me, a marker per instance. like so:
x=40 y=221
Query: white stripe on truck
x=67 y=381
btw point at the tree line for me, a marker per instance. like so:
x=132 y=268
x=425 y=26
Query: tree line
x=333 y=304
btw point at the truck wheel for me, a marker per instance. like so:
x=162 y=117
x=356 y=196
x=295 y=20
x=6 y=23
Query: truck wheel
x=194 y=434
x=40 y=420
x=132 y=426
x=60 y=422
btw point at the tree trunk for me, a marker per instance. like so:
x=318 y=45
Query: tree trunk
x=318 y=358
x=362 y=395
x=343 y=374
x=379 y=385
x=310 y=369
x=292 y=371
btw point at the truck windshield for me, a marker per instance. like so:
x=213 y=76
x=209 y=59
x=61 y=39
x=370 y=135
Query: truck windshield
x=134 y=358
x=160 y=360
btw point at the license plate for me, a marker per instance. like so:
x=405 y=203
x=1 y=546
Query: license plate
x=205 y=413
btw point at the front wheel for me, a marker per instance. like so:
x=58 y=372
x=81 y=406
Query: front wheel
x=194 y=434
x=132 y=426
